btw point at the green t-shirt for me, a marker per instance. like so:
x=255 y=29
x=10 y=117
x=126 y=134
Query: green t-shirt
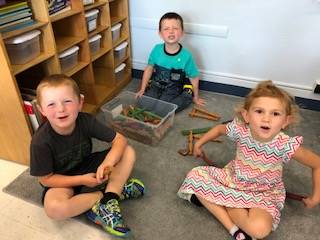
x=182 y=60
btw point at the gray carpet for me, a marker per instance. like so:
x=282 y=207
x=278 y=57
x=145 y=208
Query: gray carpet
x=161 y=215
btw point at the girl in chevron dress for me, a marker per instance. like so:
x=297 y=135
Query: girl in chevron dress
x=247 y=195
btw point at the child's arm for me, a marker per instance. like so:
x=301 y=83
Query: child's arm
x=312 y=160
x=214 y=133
x=64 y=181
x=116 y=152
x=145 y=79
x=195 y=85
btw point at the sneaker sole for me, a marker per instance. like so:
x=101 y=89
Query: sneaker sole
x=94 y=218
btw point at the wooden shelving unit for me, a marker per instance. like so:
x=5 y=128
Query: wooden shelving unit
x=95 y=73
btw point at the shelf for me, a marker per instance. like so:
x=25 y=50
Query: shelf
x=64 y=15
x=20 y=68
x=89 y=108
x=65 y=42
x=117 y=19
x=95 y=5
x=23 y=30
x=93 y=73
x=77 y=68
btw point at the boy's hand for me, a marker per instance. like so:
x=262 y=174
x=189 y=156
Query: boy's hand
x=310 y=202
x=103 y=172
x=139 y=93
x=90 y=180
x=199 y=101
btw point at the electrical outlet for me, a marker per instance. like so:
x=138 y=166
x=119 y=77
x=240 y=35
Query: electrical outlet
x=317 y=87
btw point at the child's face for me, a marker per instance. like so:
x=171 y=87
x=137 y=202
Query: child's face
x=171 y=31
x=60 y=105
x=266 y=118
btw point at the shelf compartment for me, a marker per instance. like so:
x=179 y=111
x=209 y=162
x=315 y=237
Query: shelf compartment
x=16 y=69
x=118 y=10
x=97 y=4
x=127 y=75
x=69 y=31
x=64 y=15
x=15 y=33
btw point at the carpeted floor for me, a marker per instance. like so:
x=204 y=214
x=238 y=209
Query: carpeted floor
x=161 y=215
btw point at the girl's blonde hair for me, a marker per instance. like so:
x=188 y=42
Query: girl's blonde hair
x=268 y=89
x=57 y=80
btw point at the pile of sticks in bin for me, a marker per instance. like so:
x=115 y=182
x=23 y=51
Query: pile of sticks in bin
x=141 y=114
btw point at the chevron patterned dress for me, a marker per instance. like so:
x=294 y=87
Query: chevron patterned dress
x=252 y=180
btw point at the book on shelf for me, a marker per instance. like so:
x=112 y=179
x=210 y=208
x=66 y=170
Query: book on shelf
x=61 y=11
x=15 y=16
x=13 y=6
x=57 y=5
x=21 y=23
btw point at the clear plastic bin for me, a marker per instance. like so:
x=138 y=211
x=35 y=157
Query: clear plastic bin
x=69 y=58
x=120 y=71
x=120 y=51
x=94 y=43
x=23 y=48
x=144 y=132
x=115 y=30
x=91 y=18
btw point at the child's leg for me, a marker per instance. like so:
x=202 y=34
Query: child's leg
x=222 y=215
x=122 y=171
x=183 y=100
x=60 y=203
x=220 y=212
x=256 y=222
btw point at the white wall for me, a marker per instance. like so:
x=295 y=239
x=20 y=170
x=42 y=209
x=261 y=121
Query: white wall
x=240 y=42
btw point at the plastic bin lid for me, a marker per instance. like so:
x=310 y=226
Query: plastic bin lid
x=95 y=38
x=116 y=27
x=120 y=67
x=91 y=13
x=24 y=37
x=69 y=51
x=121 y=46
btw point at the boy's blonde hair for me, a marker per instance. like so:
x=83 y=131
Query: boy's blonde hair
x=268 y=89
x=57 y=80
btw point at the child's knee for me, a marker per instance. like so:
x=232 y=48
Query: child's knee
x=261 y=228
x=56 y=210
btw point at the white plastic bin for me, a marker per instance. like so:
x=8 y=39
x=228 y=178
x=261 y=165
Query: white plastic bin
x=86 y=2
x=119 y=71
x=94 y=43
x=120 y=51
x=69 y=58
x=23 y=48
x=91 y=18
x=115 y=30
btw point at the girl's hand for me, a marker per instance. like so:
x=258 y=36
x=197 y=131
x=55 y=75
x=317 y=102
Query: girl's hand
x=199 y=101
x=310 y=202
x=90 y=180
x=197 y=151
